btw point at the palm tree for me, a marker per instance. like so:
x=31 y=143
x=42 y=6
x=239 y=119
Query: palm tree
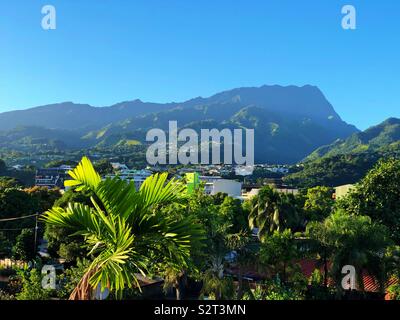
x=351 y=240
x=272 y=211
x=174 y=279
x=124 y=229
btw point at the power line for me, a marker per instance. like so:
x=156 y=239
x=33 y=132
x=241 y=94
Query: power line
x=20 y=229
x=19 y=218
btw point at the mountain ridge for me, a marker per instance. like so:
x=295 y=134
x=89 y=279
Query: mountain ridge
x=346 y=161
x=289 y=121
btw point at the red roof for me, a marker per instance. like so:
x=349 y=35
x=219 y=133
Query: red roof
x=371 y=284
x=308 y=266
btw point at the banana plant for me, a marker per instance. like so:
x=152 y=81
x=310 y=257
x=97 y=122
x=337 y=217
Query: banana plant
x=124 y=230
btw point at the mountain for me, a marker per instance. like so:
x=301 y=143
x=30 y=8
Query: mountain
x=32 y=138
x=377 y=138
x=289 y=122
x=346 y=161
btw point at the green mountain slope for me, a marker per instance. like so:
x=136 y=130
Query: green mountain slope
x=347 y=161
x=377 y=138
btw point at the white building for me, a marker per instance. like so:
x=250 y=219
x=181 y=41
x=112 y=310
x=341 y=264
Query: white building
x=137 y=176
x=119 y=166
x=231 y=187
x=215 y=184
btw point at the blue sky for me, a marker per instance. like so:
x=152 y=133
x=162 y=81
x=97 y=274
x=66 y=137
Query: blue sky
x=107 y=51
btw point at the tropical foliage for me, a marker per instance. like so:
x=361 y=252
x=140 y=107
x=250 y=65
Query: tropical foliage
x=352 y=240
x=273 y=211
x=123 y=229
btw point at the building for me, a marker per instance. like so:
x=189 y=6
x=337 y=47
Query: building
x=137 y=176
x=18 y=167
x=342 y=191
x=52 y=177
x=214 y=185
x=247 y=195
x=287 y=190
x=209 y=182
x=119 y=166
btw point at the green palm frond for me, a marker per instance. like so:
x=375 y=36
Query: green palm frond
x=156 y=190
x=83 y=176
x=124 y=230
x=77 y=217
x=118 y=196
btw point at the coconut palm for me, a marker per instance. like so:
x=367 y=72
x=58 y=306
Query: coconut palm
x=124 y=229
x=272 y=211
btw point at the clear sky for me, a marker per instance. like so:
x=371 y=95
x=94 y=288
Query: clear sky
x=107 y=51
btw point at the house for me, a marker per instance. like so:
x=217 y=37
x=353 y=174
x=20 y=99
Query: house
x=370 y=283
x=119 y=166
x=18 y=167
x=342 y=191
x=231 y=187
x=307 y=267
x=137 y=176
x=247 y=195
x=52 y=177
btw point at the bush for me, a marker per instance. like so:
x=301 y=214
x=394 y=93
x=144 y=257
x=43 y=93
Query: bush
x=32 y=287
x=24 y=246
x=394 y=292
x=274 y=290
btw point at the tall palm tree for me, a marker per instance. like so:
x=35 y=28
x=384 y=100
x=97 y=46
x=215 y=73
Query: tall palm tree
x=272 y=211
x=123 y=229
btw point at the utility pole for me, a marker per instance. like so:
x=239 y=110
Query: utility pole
x=36 y=230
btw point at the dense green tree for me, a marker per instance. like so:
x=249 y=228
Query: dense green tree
x=43 y=197
x=32 y=286
x=226 y=229
x=3 y=166
x=9 y=182
x=71 y=277
x=71 y=251
x=352 y=240
x=231 y=209
x=71 y=196
x=394 y=291
x=378 y=196
x=275 y=290
x=319 y=203
x=16 y=203
x=5 y=245
x=333 y=171
x=103 y=167
x=60 y=243
x=23 y=248
x=243 y=246
x=278 y=253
